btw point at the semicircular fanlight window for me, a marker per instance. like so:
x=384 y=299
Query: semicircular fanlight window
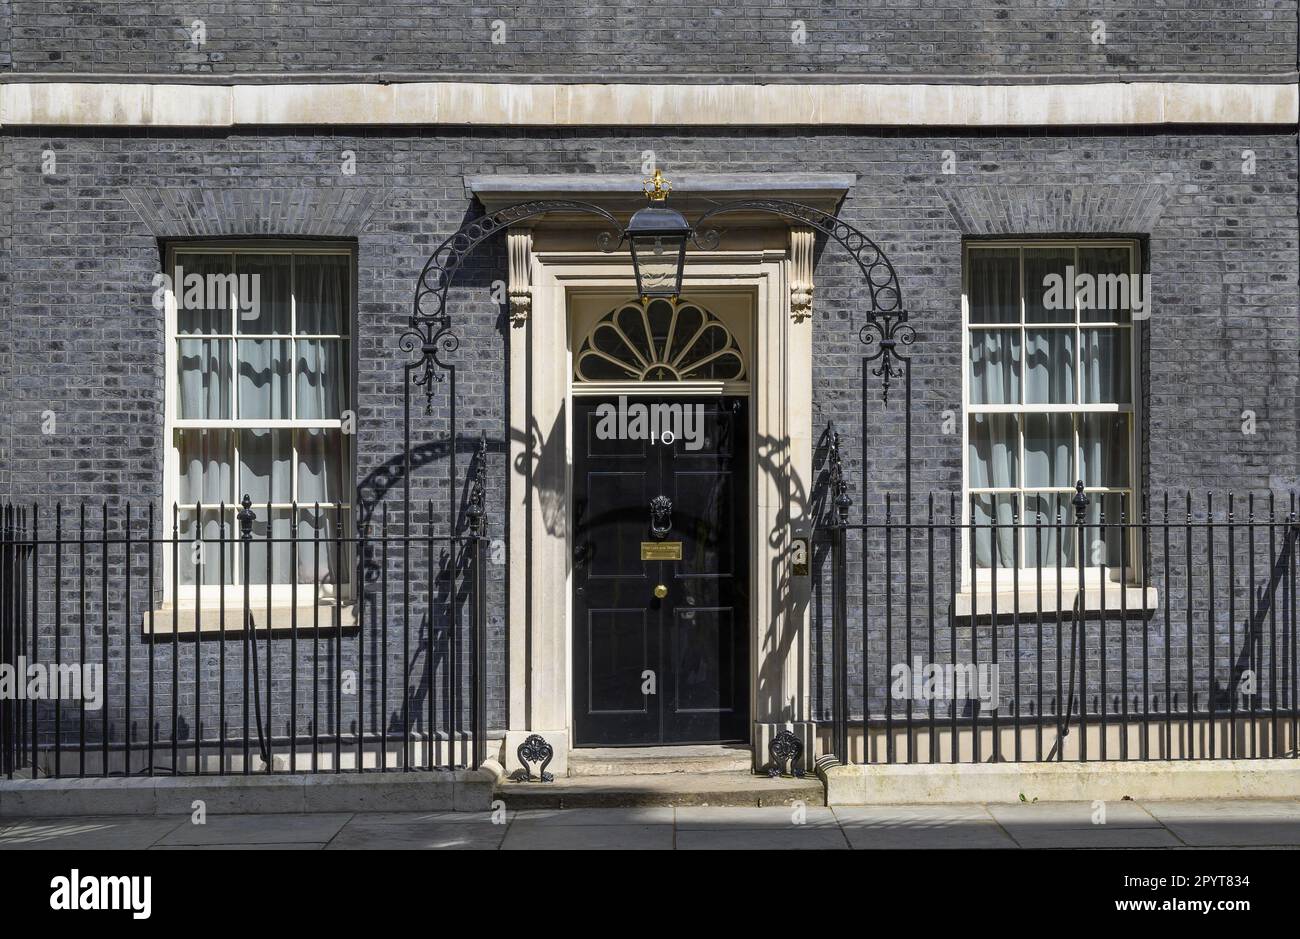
x=659 y=341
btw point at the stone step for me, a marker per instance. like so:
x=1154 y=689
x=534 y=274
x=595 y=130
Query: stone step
x=655 y=761
x=675 y=789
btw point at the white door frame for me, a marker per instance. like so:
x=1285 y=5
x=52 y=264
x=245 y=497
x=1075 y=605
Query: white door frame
x=539 y=550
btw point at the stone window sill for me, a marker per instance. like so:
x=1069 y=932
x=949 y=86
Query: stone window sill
x=1138 y=600
x=188 y=620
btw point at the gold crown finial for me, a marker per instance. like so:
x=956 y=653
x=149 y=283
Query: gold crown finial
x=656 y=187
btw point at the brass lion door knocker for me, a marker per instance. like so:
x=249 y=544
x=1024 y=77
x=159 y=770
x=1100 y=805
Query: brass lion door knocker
x=661 y=516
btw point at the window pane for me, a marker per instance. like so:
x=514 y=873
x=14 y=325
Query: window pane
x=263 y=293
x=202 y=284
x=1104 y=543
x=994 y=452
x=989 y=510
x=264 y=379
x=689 y=321
x=322 y=379
x=1106 y=367
x=203 y=379
x=321 y=292
x=993 y=285
x=1104 y=446
x=994 y=366
x=203 y=462
x=1050 y=533
x=1049 y=366
x=323 y=561
x=1049 y=439
x=1104 y=296
x=1048 y=301
x=320 y=462
x=280 y=549
x=264 y=457
x=199 y=556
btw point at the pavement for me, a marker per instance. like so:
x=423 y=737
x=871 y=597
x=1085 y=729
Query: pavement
x=1140 y=825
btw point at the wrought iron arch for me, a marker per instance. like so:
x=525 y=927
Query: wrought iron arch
x=887 y=327
x=430 y=339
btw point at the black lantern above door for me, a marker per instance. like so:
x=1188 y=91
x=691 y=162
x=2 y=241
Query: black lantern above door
x=657 y=236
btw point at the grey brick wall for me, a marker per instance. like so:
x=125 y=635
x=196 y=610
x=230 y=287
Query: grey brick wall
x=84 y=341
x=1015 y=37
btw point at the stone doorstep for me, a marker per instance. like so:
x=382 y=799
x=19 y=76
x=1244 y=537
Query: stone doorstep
x=1111 y=780
x=457 y=790
x=664 y=789
x=651 y=761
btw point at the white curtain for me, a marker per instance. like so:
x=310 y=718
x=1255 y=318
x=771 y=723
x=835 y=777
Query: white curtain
x=994 y=366
x=321 y=383
x=1106 y=366
x=994 y=463
x=203 y=379
x=205 y=479
x=1049 y=366
x=281 y=531
x=1104 y=442
x=204 y=457
x=263 y=379
x=321 y=291
x=1049 y=439
x=994 y=289
x=264 y=457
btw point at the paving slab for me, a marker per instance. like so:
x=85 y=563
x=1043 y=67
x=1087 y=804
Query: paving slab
x=1099 y=836
x=642 y=815
x=1224 y=808
x=88 y=833
x=588 y=837
x=1225 y=823
x=420 y=831
x=1228 y=832
x=1061 y=815
x=921 y=826
x=794 y=838
x=776 y=817
x=258 y=829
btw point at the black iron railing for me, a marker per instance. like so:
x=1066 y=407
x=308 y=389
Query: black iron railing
x=130 y=649
x=947 y=633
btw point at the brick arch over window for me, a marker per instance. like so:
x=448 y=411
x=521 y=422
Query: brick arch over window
x=201 y=212
x=1077 y=208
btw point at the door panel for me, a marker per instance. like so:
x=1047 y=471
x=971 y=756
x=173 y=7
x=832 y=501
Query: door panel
x=689 y=648
x=618 y=641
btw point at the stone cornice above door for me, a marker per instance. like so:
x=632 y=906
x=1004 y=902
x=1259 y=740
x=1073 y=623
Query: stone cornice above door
x=693 y=193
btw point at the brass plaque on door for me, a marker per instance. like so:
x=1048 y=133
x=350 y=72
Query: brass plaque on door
x=661 y=550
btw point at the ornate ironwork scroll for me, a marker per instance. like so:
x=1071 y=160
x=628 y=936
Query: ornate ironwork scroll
x=429 y=334
x=785 y=748
x=534 y=749
x=887 y=332
x=886 y=327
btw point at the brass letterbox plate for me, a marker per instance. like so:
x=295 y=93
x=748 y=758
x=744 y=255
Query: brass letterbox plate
x=661 y=550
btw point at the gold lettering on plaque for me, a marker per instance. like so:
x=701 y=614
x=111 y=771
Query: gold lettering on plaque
x=661 y=550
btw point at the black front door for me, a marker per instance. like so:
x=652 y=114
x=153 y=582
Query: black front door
x=674 y=668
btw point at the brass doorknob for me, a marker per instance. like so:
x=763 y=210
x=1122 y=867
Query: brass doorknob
x=661 y=591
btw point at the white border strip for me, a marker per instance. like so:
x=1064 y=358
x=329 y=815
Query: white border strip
x=96 y=104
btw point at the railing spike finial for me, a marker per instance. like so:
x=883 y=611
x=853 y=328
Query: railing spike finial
x=839 y=488
x=246 y=517
x=1080 y=503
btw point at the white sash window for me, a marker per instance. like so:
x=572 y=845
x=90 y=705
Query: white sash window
x=1051 y=394
x=260 y=402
